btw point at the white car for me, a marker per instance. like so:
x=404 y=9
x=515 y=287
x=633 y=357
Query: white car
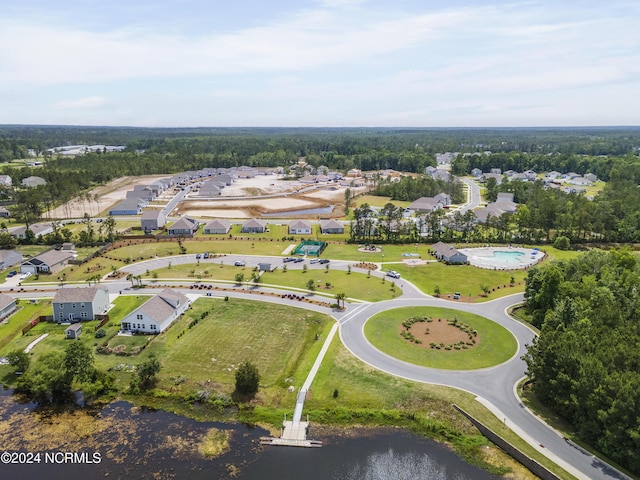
x=25 y=275
x=393 y=274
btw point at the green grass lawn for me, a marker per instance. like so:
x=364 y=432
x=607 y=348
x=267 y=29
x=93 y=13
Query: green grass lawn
x=279 y=340
x=461 y=278
x=354 y=285
x=495 y=345
x=378 y=201
x=207 y=270
x=11 y=331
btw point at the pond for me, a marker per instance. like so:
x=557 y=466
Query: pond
x=124 y=441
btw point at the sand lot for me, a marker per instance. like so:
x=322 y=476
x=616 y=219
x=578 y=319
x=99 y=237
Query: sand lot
x=234 y=201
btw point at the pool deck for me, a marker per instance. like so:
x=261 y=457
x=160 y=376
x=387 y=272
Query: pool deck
x=484 y=257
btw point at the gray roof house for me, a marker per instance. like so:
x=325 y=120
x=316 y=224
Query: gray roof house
x=255 y=225
x=448 y=254
x=424 y=205
x=4 y=213
x=38 y=229
x=7 y=305
x=300 y=227
x=78 y=304
x=130 y=206
x=331 y=227
x=153 y=219
x=156 y=314
x=50 y=261
x=9 y=258
x=6 y=180
x=219 y=226
x=185 y=226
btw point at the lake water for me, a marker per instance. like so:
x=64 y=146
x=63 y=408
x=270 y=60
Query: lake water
x=144 y=444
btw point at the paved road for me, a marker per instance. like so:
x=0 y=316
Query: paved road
x=473 y=198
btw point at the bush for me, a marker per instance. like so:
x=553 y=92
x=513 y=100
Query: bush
x=101 y=333
x=562 y=243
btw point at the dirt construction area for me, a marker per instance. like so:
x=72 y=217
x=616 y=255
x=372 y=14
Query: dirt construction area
x=268 y=195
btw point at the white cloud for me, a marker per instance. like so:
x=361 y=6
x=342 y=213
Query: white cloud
x=81 y=103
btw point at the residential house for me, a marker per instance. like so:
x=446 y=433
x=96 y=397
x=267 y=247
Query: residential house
x=476 y=172
x=300 y=227
x=33 y=181
x=503 y=204
x=144 y=192
x=7 y=305
x=448 y=254
x=157 y=313
x=9 y=258
x=6 y=180
x=255 y=225
x=308 y=179
x=591 y=177
x=209 y=189
x=73 y=331
x=424 y=205
x=38 y=229
x=4 y=213
x=497 y=171
x=50 y=261
x=443 y=199
x=80 y=304
x=331 y=227
x=153 y=219
x=496 y=176
x=185 y=226
x=354 y=172
x=132 y=206
x=218 y=226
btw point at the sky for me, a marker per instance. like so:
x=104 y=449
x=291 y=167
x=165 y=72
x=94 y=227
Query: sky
x=320 y=63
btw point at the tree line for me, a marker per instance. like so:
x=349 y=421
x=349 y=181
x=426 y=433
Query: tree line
x=585 y=364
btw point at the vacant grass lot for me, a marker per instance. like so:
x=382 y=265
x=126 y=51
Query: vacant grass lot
x=354 y=285
x=279 y=340
x=12 y=329
x=496 y=344
x=462 y=278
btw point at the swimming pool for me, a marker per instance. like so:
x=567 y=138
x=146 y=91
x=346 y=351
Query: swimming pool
x=499 y=258
x=508 y=257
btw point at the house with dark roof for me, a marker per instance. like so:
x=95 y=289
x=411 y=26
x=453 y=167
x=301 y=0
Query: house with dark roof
x=448 y=254
x=7 y=306
x=78 y=304
x=503 y=204
x=300 y=227
x=219 y=226
x=157 y=313
x=185 y=226
x=153 y=219
x=50 y=261
x=254 y=225
x=331 y=227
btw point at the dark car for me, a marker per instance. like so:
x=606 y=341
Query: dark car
x=198 y=256
x=298 y=260
x=323 y=261
x=12 y=273
x=206 y=255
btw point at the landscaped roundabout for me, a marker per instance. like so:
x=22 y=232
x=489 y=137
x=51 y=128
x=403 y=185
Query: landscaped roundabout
x=440 y=338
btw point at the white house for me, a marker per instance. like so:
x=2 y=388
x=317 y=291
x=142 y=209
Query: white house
x=299 y=227
x=156 y=314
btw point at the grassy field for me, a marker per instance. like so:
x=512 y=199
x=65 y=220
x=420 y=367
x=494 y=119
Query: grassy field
x=354 y=285
x=461 y=278
x=11 y=331
x=496 y=344
x=279 y=340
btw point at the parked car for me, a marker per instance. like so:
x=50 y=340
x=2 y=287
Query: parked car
x=25 y=275
x=323 y=261
x=198 y=256
x=393 y=274
x=206 y=255
x=456 y=296
x=314 y=260
x=298 y=260
x=12 y=273
x=239 y=263
x=288 y=259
